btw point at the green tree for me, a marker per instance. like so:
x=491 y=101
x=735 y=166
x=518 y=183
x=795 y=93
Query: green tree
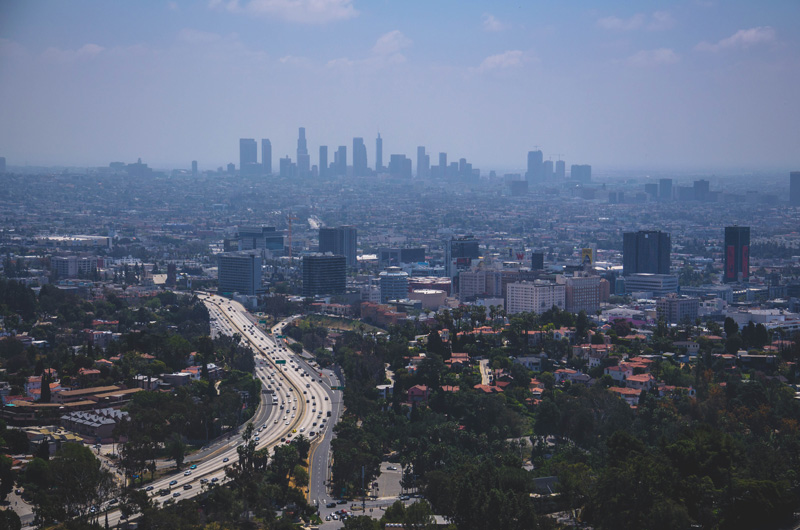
x=7 y=477
x=361 y=522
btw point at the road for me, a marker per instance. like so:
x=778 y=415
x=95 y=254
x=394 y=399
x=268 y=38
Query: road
x=296 y=400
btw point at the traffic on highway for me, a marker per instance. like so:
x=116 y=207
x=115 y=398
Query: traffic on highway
x=296 y=401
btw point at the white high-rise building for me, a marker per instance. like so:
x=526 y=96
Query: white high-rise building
x=534 y=297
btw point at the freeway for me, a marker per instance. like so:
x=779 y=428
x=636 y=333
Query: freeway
x=295 y=401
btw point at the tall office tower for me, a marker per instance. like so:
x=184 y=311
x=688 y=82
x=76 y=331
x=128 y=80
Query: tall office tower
x=378 y=154
x=794 y=188
x=400 y=166
x=737 y=254
x=231 y=168
x=582 y=293
x=359 y=158
x=665 y=189
x=266 y=156
x=561 y=170
x=423 y=163
x=341 y=241
x=535 y=163
x=303 y=160
x=442 y=165
x=462 y=166
x=194 y=168
x=646 y=251
x=248 y=155
x=340 y=161
x=239 y=272
x=286 y=167
x=547 y=170
x=394 y=284
x=2 y=164
x=580 y=172
x=324 y=274
x=701 y=190
x=537 y=261
x=323 y=160
x=459 y=253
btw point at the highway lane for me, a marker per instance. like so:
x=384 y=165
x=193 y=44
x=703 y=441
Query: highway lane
x=296 y=402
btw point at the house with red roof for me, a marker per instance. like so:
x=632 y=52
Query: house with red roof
x=418 y=394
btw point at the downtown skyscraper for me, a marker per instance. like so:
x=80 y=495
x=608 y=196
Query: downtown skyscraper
x=266 y=156
x=248 y=156
x=359 y=158
x=303 y=160
x=378 y=154
x=737 y=254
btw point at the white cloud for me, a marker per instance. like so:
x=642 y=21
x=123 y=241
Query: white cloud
x=386 y=50
x=622 y=24
x=502 y=61
x=391 y=43
x=492 y=24
x=195 y=36
x=742 y=39
x=302 y=11
x=659 y=20
x=84 y=52
x=656 y=57
x=173 y=6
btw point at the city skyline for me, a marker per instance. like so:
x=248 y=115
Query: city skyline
x=686 y=85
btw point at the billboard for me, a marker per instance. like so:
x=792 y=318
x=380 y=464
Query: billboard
x=587 y=257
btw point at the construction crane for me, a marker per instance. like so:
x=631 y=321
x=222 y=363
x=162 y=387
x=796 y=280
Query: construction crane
x=289 y=219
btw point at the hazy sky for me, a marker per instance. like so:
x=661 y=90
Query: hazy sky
x=689 y=84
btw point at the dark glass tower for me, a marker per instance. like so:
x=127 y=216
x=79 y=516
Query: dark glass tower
x=737 y=254
x=646 y=252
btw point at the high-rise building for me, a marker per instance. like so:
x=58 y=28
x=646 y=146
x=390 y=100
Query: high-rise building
x=537 y=261
x=737 y=254
x=259 y=237
x=340 y=161
x=359 y=158
x=561 y=170
x=580 y=172
x=303 y=160
x=266 y=156
x=248 y=156
x=581 y=293
x=400 y=166
x=323 y=160
x=459 y=253
x=646 y=252
x=423 y=163
x=73 y=266
x=534 y=297
x=535 y=167
x=239 y=272
x=341 y=241
x=287 y=167
x=394 y=284
x=442 y=165
x=324 y=274
x=794 y=188
x=701 y=190
x=194 y=168
x=665 y=189
x=547 y=170
x=378 y=154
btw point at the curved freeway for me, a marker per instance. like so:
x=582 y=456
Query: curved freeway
x=295 y=401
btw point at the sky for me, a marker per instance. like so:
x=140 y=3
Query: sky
x=695 y=84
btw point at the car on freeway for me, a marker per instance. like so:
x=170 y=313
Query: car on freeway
x=176 y=494
x=187 y=486
x=173 y=482
x=187 y=473
x=214 y=480
x=226 y=459
x=193 y=466
x=149 y=488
